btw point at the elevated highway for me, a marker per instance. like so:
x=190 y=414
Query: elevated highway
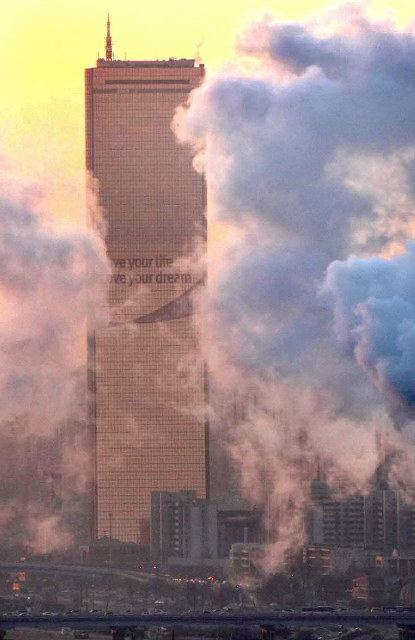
x=268 y=621
x=77 y=570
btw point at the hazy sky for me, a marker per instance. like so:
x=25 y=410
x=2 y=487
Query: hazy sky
x=46 y=46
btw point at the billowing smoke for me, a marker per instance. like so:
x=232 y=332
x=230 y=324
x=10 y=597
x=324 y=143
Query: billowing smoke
x=308 y=324
x=374 y=318
x=52 y=284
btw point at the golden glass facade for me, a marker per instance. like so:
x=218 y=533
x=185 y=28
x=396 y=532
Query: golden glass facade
x=147 y=377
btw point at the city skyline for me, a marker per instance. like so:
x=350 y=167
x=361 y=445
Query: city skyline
x=307 y=150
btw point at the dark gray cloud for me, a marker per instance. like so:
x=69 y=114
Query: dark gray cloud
x=273 y=149
x=308 y=158
x=272 y=308
x=374 y=317
x=277 y=154
x=296 y=48
x=359 y=48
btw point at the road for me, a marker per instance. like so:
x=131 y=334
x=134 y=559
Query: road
x=76 y=570
x=126 y=621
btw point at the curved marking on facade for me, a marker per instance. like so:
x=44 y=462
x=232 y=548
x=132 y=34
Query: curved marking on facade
x=180 y=307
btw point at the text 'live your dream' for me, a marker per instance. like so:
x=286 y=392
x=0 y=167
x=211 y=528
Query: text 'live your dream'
x=155 y=262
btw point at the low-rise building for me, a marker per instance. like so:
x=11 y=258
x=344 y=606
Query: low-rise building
x=381 y=521
x=182 y=526
x=246 y=559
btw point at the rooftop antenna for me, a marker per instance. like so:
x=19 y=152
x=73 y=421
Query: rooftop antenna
x=108 y=41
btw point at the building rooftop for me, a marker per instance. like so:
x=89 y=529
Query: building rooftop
x=171 y=62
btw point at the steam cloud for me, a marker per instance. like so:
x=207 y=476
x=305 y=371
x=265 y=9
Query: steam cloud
x=51 y=284
x=309 y=157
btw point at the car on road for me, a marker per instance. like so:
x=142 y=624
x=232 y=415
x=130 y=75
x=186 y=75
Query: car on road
x=318 y=609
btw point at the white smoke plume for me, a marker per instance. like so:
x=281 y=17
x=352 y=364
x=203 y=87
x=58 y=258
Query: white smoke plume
x=309 y=321
x=52 y=284
x=47 y=534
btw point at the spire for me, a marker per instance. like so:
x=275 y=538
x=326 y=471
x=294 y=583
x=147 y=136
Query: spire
x=108 y=41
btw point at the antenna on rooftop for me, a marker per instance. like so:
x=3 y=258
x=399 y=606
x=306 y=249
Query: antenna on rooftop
x=108 y=41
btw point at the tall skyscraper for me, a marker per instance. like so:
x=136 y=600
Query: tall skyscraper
x=147 y=377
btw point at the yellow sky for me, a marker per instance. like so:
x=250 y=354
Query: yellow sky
x=47 y=44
